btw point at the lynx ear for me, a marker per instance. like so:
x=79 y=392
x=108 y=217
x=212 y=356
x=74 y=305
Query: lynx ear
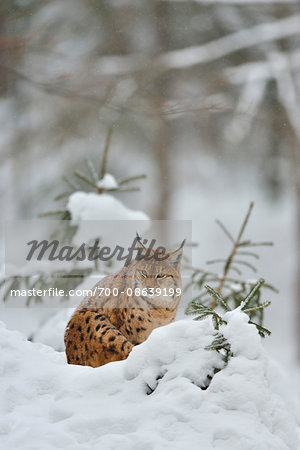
x=174 y=258
x=139 y=242
x=143 y=252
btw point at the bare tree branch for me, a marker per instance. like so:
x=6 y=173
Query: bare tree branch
x=263 y=70
x=236 y=2
x=259 y=34
x=200 y=54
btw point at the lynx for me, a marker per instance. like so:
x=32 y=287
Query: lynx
x=106 y=327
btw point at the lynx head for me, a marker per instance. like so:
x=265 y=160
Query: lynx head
x=158 y=275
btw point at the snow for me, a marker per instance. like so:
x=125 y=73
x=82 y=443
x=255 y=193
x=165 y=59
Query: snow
x=52 y=332
x=238 y=40
x=87 y=209
x=108 y=182
x=44 y=403
x=90 y=206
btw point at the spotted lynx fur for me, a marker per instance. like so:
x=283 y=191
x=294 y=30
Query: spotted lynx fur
x=105 y=328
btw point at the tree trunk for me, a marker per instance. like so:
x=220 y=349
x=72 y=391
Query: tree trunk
x=163 y=144
x=297 y=183
x=162 y=152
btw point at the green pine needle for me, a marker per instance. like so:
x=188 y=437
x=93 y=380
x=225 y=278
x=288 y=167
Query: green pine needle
x=218 y=297
x=84 y=178
x=129 y=179
x=222 y=226
x=251 y=294
x=91 y=168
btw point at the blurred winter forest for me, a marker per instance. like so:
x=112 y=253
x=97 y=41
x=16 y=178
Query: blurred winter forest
x=202 y=96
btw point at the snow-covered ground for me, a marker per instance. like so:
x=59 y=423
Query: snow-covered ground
x=47 y=404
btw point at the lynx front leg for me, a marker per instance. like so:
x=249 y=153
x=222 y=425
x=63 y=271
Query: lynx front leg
x=92 y=340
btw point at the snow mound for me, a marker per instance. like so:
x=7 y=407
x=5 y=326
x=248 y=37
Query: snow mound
x=52 y=331
x=108 y=182
x=91 y=206
x=182 y=354
x=87 y=209
x=44 y=403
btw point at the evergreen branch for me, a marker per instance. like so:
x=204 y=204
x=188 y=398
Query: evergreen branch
x=72 y=183
x=133 y=178
x=256 y=244
x=245 y=243
x=218 y=343
x=61 y=196
x=245 y=222
x=218 y=277
x=261 y=330
x=222 y=226
x=14 y=285
x=251 y=294
x=125 y=189
x=236 y=270
x=52 y=213
x=236 y=289
x=214 y=261
x=85 y=179
x=66 y=215
x=245 y=263
x=233 y=252
x=202 y=317
x=91 y=168
x=105 y=152
x=255 y=255
x=217 y=297
x=196 y=307
x=264 y=305
x=202 y=280
x=205 y=311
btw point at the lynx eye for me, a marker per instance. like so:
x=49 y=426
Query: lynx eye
x=143 y=273
x=161 y=275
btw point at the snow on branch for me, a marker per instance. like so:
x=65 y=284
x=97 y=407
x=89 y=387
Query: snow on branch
x=251 y=96
x=287 y=91
x=199 y=54
x=235 y=2
x=263 y=70
x=120 y=65
x=279 y=67
x=259 y=34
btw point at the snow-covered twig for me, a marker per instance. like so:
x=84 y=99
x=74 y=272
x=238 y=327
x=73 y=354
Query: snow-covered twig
x=259 y=34
x=199 y=54
x=235 y=2
x=263 y=70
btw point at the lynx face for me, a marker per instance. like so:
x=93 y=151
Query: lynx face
x=159 y=279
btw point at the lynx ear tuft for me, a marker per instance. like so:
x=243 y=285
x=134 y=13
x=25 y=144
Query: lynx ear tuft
x=139 y=242
x=175 y=257
x=182 y=243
